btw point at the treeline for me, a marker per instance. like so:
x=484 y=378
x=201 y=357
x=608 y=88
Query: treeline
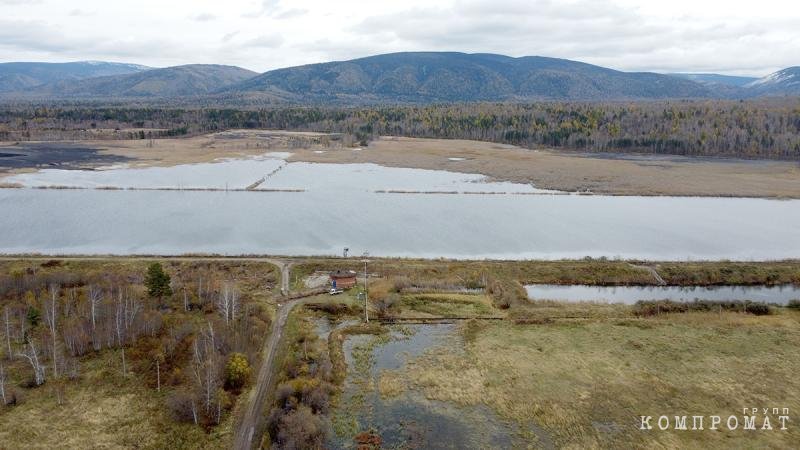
x=188 y=331
x=767 y=129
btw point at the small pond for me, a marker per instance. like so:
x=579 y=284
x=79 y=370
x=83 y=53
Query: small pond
x=631 y=294
x=409 y=420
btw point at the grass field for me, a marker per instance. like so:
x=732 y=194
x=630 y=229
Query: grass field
x=580 y=373
x=446 y=274
x=448 y=305
x=102 y=409
x=572 y=171
x=586 y=382
x=550 y=169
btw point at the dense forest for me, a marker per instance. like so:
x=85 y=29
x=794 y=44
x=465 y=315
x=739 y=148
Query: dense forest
x=767 y=129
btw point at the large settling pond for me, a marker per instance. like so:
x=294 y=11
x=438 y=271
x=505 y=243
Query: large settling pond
x=631 y=294
x=386 y=211
x=408 y=420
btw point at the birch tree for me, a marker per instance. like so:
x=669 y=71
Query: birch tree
x=228 y=303
x=3 y=384
x=206 y=369
x=50 y=319
x=120 y=321
x=32 y=355
x=8 y=331
x=95 y=296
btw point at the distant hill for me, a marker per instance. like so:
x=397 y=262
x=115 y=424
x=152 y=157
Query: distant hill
x=413 y=77
x=715 y=79
x=20 y=76
x=444 y=76
x=189 y=80
x=780 y=83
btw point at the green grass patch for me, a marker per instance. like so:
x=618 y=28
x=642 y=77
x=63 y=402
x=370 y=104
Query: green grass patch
x=449 y=305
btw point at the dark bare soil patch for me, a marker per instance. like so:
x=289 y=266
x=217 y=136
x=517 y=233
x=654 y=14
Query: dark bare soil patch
x=34 y=155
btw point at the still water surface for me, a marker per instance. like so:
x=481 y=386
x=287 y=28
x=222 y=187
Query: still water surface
x=632 y=294
x=323 y=222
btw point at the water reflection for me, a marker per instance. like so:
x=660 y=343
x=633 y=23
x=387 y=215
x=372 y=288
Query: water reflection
x=631 y=294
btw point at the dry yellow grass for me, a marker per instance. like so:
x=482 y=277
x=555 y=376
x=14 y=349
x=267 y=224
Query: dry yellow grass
x=232 y=144
x=236 y=144
x=549 y=169
x=587 y=383
x=573 y=172
x=101 y=410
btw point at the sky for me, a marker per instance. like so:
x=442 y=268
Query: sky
x=731 y=37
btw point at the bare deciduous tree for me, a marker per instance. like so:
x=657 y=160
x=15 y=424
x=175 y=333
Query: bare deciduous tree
x=8 y=331
x=33 y=358
x=95 y=296
x=228 y=303
x=3 y=384
x=50 y=318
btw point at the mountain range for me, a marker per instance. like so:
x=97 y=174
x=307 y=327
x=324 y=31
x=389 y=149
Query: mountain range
x=413 y=77
x=181 y=81
x=782 y=82
x=21 y=76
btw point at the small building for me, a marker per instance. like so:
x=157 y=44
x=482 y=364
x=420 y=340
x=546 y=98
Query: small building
x=343 y=279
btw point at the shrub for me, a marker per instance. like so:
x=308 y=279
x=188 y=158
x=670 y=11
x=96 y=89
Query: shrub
x=237 y=371
x=506 y=293
x=318 y=399
x=758 y=309
x=384 y=305
x=793 y=304
x=368 y=439
x=334 y=309
x=652 y=308
x=301 y=429
x=182 y=406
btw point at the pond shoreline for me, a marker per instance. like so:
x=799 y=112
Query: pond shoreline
x=780 y=294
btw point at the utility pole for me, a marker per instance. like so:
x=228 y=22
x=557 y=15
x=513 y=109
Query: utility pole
x=366 y=288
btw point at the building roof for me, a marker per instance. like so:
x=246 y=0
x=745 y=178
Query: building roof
x=343 y=273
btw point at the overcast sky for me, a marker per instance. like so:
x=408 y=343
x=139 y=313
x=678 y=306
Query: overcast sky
x=734 y=37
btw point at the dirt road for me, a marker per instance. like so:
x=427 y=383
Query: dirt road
x=250 y=428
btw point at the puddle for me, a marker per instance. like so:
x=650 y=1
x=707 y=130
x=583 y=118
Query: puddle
x=324 y=325
x=409 y=420
x=279 y=155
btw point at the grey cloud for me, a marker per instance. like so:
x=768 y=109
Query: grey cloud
x=265 y=41
x=228 y=37
x=40 y=37
x=597 y=32
x=328 y=50
x=204 y=17
x=268 y=8
x=291 y=13
x=274 y=9
x=80 y=13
